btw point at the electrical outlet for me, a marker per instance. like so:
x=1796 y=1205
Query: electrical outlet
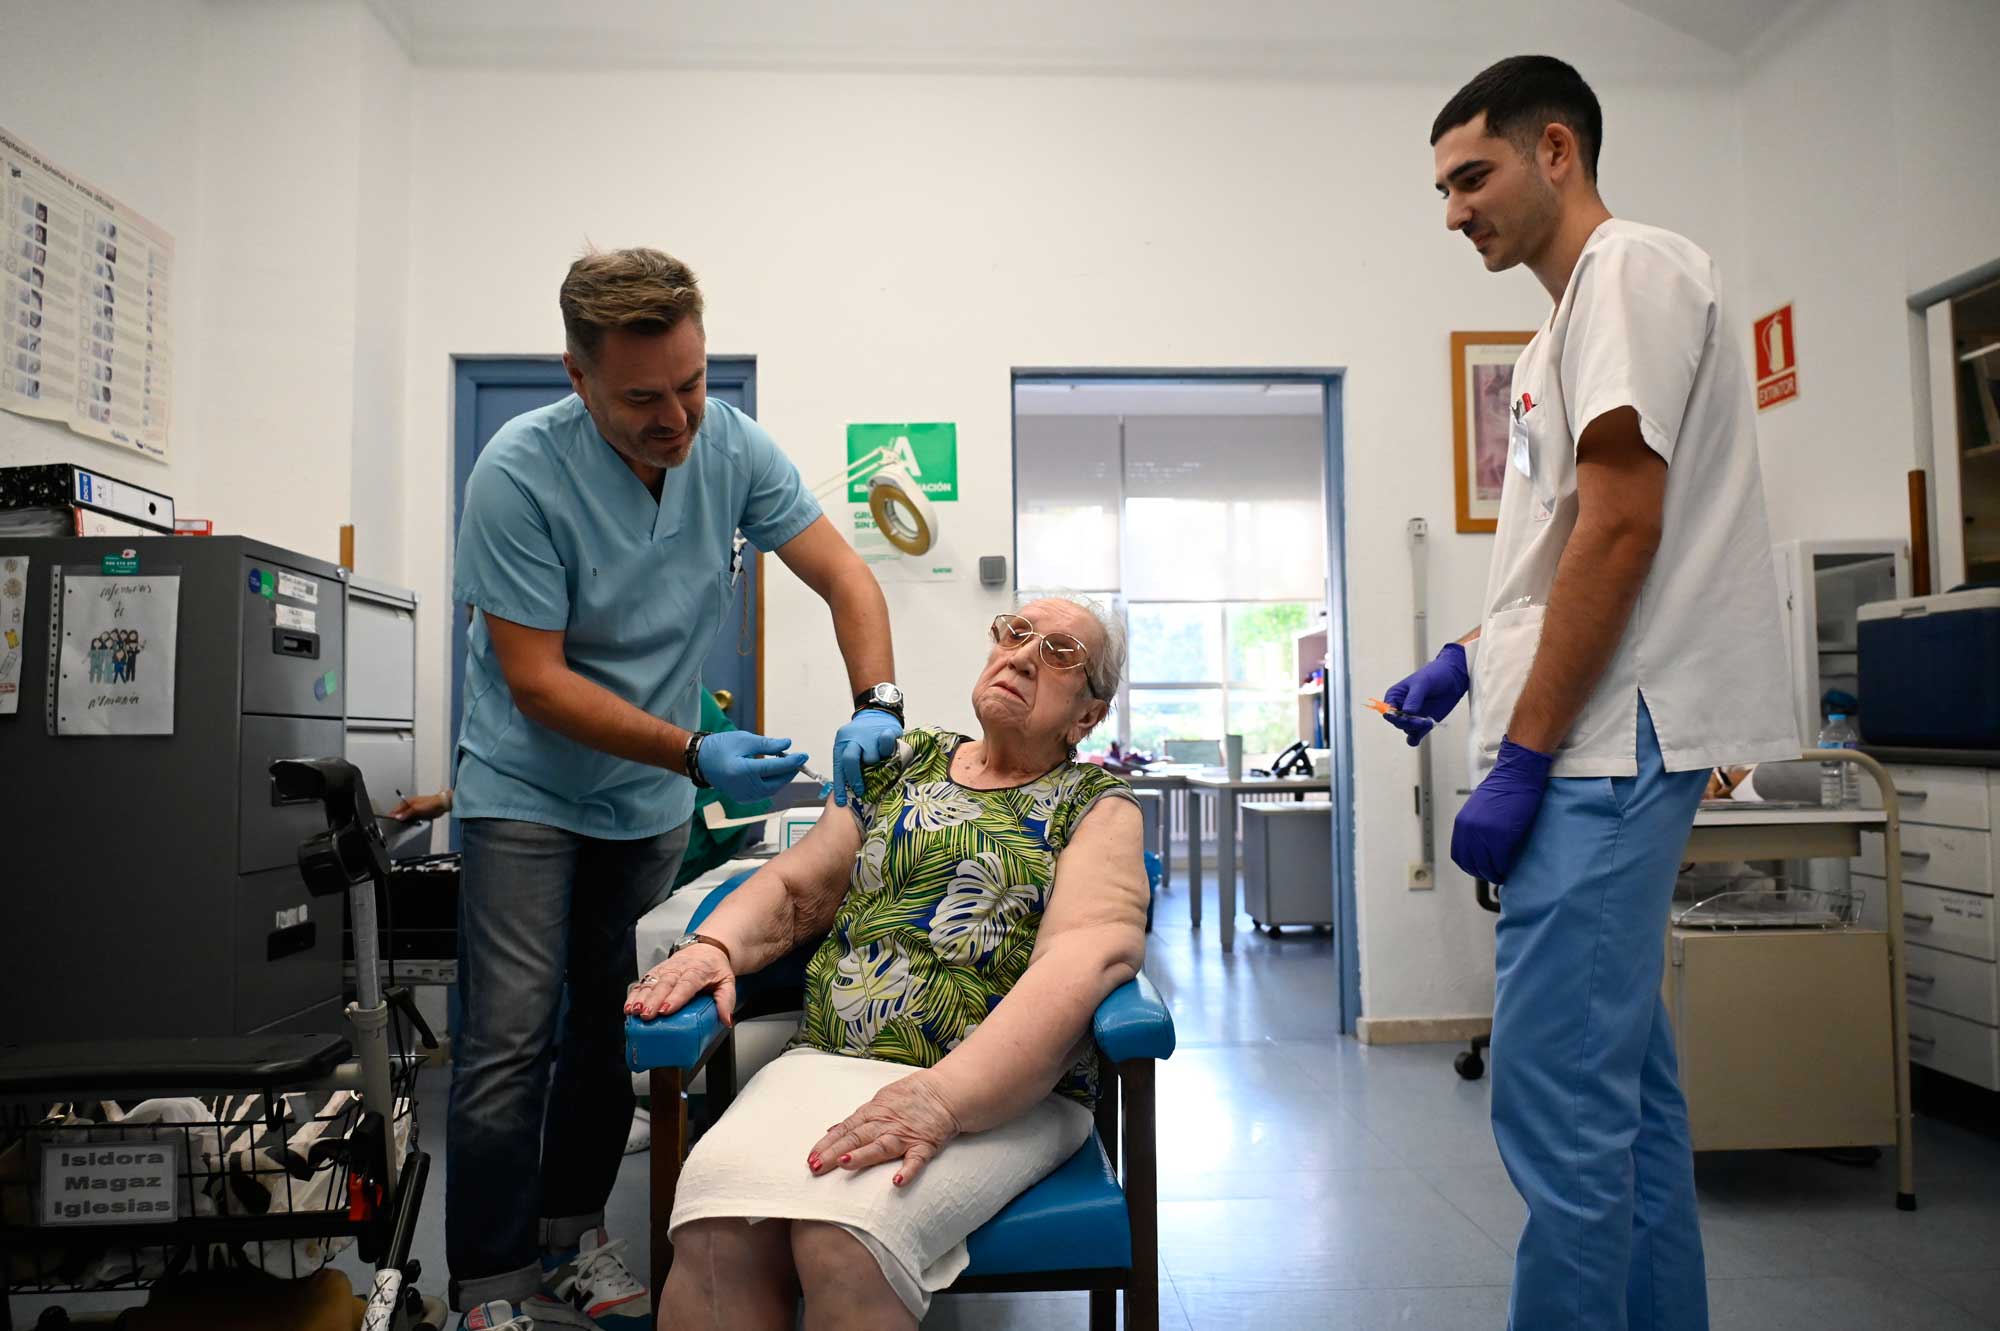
x=1421 y=878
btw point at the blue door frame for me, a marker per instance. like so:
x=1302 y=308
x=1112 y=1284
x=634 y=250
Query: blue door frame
x=1340 y=701
x=481 y=402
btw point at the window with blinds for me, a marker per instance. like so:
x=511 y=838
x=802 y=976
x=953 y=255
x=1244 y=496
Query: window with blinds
x=1204 y=527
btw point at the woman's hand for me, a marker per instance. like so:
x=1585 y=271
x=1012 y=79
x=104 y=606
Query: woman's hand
x=907 y=1120
x=671 y=985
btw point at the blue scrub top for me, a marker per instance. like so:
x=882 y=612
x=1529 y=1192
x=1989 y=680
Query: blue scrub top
x=558 y=533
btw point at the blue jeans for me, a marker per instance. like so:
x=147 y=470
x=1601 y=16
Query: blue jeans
x=1587 y=1105
x=529 y=1159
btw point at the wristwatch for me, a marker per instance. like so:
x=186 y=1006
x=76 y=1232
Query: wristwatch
x=883 y=697
x=691 y=939
x=691 y=760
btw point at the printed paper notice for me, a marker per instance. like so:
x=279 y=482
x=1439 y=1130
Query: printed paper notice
x=13 y=609
x=84 y=297
x=118 y=636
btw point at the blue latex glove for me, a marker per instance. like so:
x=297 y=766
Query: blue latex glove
x=1427 y=697
x=866 y=740
x=748 y=767
x=1486 y=839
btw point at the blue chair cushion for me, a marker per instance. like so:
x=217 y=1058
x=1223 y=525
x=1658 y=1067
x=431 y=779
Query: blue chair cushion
x=1073 y=1220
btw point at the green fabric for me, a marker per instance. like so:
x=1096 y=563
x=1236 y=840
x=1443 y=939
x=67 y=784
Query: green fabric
x=941 y=915
x=706 y=848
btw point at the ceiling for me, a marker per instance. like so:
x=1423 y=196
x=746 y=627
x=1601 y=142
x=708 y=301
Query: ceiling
x=1272 y=38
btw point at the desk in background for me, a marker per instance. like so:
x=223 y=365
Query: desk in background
x=1215 y=782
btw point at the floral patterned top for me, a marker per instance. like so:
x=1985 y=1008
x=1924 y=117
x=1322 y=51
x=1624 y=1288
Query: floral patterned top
x=944 y=907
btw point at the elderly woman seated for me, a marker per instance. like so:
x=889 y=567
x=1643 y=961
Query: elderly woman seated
x=978 y=904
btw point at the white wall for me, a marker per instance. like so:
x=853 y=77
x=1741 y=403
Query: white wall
x=889 y=247
x=1870 y=164
x=117 y=103
x=260 y=135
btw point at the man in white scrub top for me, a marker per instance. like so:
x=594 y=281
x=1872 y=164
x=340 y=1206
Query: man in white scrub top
x=1630 y=645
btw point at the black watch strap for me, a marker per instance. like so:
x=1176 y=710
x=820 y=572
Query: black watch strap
x=691 y=759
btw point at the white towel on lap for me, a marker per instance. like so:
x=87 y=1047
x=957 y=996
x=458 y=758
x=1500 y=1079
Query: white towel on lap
x=752 y=1166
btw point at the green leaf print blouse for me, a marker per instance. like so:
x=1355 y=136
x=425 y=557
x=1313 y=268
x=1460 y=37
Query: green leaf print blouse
x=941 y=915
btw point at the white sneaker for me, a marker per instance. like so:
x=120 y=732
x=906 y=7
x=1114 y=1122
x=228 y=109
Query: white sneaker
x=539 y=1312
x=640 y=1136
x=597 y=1283
x=499 y=1315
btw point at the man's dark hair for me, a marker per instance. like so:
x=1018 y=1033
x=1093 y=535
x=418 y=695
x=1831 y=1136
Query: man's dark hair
x=1521 y=96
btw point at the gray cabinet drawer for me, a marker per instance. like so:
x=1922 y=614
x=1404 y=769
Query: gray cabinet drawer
x=1953 y=857
x=1956 y=1047
x=381 y=658
x=1963 y=986
x=268 y=832
x=1939 y=796
x=387 y=760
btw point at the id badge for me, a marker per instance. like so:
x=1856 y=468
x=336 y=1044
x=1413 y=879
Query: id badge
x=1518 y=451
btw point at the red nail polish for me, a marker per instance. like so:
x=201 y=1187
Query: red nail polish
x=899 y=1180
x=845 y=1158
x=812 y=1162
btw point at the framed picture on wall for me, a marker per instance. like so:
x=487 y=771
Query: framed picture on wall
x=1482 y=380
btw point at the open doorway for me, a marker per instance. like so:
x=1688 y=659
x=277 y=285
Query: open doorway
x=1207 y=509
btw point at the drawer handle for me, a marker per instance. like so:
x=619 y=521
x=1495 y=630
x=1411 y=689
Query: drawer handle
x=1921 y=856
x=1929 y=1041
x=1920 y=919
x=1915 y=978
x=1914 y=796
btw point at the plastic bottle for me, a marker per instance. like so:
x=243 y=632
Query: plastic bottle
x=1839 y=782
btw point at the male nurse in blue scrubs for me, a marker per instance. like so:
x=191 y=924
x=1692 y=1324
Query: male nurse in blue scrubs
x=596 y=548
x=1630 y=645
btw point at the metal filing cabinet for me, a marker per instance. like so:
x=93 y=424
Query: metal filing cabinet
x=1951 y=863
x=382 y=688
x=151 y=885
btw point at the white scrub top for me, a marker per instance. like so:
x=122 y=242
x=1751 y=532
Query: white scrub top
x=1640 y=326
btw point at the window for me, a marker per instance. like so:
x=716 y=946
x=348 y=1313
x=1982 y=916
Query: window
x=1205 y=528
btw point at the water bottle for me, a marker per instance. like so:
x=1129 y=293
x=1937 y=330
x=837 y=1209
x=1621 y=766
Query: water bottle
x=1839 y=783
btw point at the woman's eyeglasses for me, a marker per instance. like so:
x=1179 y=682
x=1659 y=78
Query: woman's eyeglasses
x=1059 y=651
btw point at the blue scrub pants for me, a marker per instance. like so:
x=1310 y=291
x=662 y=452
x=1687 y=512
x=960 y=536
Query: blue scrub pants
x=1587 y=1105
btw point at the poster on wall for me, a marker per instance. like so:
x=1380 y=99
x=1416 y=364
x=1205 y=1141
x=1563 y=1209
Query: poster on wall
x=1482 y=378
x=926 y=455
x=117 y=658
x=85 y=337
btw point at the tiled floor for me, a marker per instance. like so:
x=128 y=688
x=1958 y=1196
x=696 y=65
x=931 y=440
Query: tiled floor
x=1310 y=1182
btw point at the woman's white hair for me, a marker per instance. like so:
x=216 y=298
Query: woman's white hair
x=1106 y=668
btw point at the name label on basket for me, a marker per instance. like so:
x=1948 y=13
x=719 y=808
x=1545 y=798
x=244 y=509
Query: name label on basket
x=111 y=1184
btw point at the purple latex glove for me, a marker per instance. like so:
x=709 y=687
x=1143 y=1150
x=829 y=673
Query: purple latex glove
x=1486 y=839
x=1427 y=697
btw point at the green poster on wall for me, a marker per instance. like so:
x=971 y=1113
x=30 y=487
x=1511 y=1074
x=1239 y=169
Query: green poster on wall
x=927 y=451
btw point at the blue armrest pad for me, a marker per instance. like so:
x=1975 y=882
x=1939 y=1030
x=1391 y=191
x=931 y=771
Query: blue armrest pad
x=1134 y=1023
x=678 y=1041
